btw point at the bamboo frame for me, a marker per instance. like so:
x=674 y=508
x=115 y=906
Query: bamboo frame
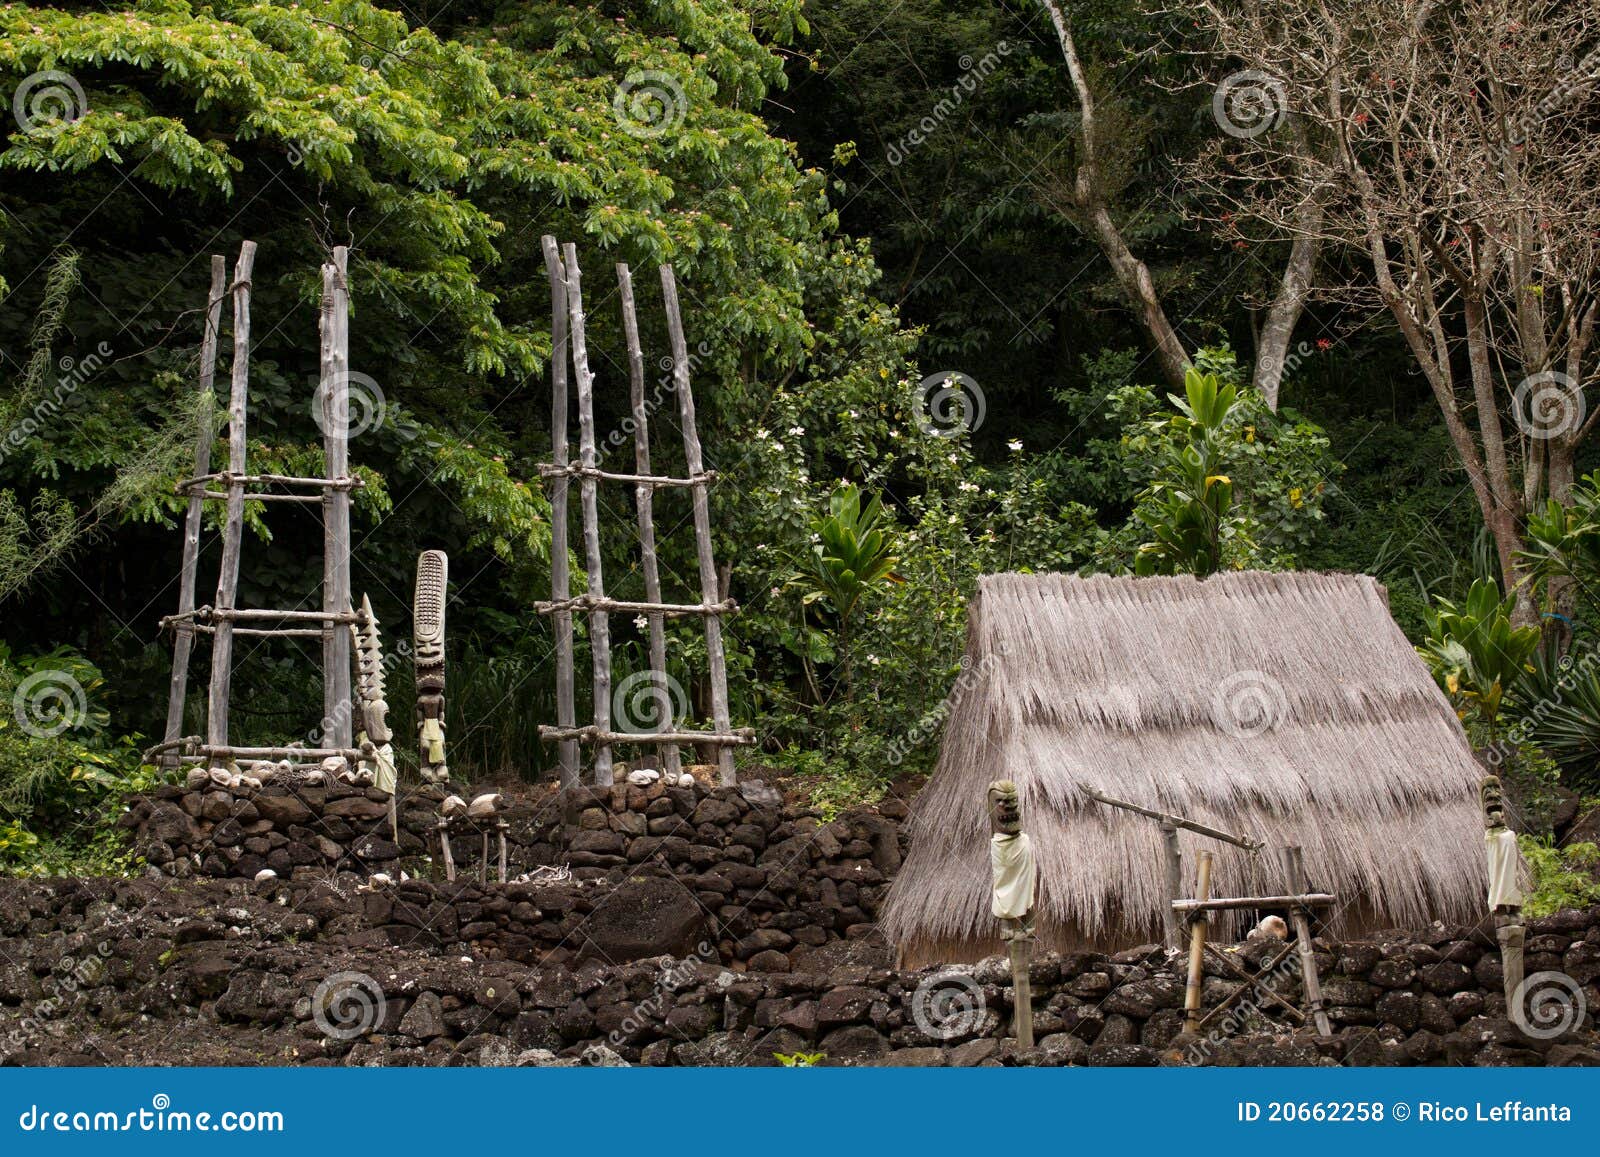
x=568 y=340
x=1300 y=914
x=1195 y=987
x=222 y=619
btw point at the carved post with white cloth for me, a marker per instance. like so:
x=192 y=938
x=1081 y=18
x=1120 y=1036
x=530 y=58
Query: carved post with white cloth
x=1506 y=873
x=1016 y=877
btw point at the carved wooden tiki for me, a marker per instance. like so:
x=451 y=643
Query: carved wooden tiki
x=428 y=656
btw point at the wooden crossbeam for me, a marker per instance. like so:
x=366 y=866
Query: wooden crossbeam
x=643 y=478
x=227 y=478
x=669 y=610
x=1300 y=900
x=742 y=737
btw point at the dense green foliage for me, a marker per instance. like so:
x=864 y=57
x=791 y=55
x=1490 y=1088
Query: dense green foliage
x=911 y=362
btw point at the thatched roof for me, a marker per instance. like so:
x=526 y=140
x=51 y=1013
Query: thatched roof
x=1288 y=707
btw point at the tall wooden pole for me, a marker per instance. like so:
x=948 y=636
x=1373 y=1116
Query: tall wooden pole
x=560 y=576
x=233 y=526
x=1301 y=916
x=710 y=592
x=1171 y=924
x=337 y=708
x=194 y=518
x=599 y=625
x=1195 y=989
x=644 y=500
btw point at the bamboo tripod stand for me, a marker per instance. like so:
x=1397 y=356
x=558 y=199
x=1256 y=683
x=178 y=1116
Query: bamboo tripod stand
x=223 y=621
x=569 y=345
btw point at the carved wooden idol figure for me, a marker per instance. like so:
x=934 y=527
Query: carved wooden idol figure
x=1015 y=882
x=376 y=739
x=1505 y=890
x=428 y=637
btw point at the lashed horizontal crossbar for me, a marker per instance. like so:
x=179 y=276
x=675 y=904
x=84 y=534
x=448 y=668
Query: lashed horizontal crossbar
x=1308 y=900
x=546 y=470
x=741 y=737
x=670 y=610
x=258 y=614
x=227 y=478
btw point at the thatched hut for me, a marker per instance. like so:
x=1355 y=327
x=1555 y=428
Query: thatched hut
x=1286 y=707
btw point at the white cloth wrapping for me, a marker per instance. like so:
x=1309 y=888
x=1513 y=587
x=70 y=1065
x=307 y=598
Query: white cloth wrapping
x=1505 y=868
x=1015 y=874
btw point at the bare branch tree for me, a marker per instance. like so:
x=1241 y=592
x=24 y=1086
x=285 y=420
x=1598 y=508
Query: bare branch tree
x=1454 y=149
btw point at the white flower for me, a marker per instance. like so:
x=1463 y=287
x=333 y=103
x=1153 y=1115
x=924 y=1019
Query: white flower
x=966 y=487
x=874 y=660
x=761 y=434
x=1014 y=444
x=641 y=622
x=796 y=431
x=775 y=592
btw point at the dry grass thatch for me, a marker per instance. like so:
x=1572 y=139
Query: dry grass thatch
x=1288 y=707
